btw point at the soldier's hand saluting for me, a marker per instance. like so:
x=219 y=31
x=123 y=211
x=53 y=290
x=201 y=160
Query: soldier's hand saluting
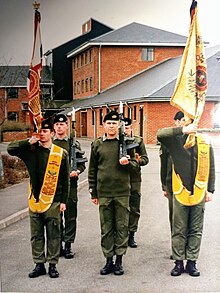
x=35 y=137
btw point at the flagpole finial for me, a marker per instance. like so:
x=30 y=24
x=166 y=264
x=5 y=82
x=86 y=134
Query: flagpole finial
x=36 y=5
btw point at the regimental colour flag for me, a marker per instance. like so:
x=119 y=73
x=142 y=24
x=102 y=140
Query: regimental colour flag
x=34 y=75
x=191 y=86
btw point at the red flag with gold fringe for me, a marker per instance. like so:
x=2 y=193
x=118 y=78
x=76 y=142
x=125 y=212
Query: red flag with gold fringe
x=191 y=86
x=34 y=75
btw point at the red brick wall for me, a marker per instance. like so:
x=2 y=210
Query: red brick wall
x=155 y=115
x=14 y=105
x=15 y=135
x=117 y=64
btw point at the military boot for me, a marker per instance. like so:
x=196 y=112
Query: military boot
x=118 y=270
x=39 y=270
x=108 y=268
x=131 y=242
x=68 y=251
x=178 y=269
x=191 y=268
x=53 y=273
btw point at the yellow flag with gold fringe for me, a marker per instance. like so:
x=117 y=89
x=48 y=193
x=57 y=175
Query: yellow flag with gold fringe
x=191 y=86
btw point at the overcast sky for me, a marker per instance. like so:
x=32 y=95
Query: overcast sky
x=62 y=21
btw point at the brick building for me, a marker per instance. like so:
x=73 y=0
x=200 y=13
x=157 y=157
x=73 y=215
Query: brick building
x=13 y=92
x=56 y=80
x=137 y=65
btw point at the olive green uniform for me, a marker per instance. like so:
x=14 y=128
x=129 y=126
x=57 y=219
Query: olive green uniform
x=110 y=183
x=135 y=176
x=166 y=178
x=68 y=231
x=35 y=157
x=187 y=220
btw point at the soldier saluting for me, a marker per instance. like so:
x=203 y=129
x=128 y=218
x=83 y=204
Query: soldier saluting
x=48 y=167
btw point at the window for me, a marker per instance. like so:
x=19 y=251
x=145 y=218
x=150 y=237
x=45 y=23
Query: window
x=75 y=88
x=82 y=59
x=129 y=112
x=12 y=116
x=78 y=87
x=147 y=54
x=87 y=86
x=135 y=112
x=91 y=84
x=82 y=85
x=12 y=93
x=24 y=106
x=100 y=116
x=46 y=92
x=93 y=117
x=86 y=57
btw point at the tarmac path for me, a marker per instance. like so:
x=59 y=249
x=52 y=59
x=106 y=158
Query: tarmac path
x=147 y=268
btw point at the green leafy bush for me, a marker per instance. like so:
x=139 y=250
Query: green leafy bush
x=15 y=126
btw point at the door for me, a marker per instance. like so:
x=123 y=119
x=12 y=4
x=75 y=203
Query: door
x=84 y=123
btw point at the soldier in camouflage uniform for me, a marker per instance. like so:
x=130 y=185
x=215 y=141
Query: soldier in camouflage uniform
x=135 y=198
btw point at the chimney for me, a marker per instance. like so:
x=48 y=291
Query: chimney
x=87 y=26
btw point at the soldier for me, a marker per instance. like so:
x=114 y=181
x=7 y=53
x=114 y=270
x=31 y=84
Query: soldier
x=135 y=198
x=109 y=185
x=166 y=168
x=68 y=232
x=193 y=183
x=48 y=167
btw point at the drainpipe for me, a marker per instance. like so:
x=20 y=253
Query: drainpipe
x=99 y=89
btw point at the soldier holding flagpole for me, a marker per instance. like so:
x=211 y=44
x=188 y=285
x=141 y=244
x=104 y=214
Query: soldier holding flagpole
x=193 y=170
x=48 y=167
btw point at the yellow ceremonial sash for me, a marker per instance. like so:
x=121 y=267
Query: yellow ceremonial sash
x=202 y=174
x=49 y=186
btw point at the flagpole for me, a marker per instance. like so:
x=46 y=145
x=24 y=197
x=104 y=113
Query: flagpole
x=34 y=75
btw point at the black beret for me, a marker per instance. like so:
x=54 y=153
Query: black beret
x=60 y=118
x=127 y=121
x=113 y=115
x=47 y=124
x=179 y=115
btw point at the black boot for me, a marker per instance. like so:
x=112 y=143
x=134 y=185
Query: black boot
x=68 y=251
x=131 y=242
x=191 y=268
x=118 y=270
x=53 y=273
x=178 y=269
x=108 y=268
x=39 y=270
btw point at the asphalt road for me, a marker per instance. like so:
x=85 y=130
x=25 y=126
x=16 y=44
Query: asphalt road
x=147 y=268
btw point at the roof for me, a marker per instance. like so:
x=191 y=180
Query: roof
x=154 y=84
x=16 y=76
x=135 y=34
x=140 y=33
